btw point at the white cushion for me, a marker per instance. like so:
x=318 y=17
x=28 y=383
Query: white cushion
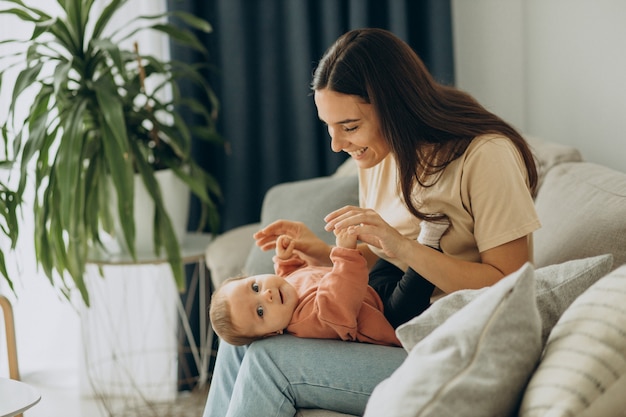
x=609 y=402
x=585 y=354
x=475 y=364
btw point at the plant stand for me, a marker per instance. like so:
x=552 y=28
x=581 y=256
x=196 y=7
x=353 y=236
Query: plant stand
x=137 y=328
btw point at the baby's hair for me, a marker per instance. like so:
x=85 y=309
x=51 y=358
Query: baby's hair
x=222 y=320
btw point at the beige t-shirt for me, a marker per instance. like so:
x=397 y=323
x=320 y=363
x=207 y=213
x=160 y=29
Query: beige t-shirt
x=484 y=193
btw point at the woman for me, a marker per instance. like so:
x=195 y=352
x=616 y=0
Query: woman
x=425 y=152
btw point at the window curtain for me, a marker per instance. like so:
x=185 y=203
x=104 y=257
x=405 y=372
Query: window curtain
x=263 y=53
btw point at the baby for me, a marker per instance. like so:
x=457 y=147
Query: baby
x=306 y=301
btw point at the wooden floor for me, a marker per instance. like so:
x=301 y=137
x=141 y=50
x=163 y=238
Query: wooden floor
x=60 y=397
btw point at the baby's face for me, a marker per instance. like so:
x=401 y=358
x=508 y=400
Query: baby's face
x=261 y=304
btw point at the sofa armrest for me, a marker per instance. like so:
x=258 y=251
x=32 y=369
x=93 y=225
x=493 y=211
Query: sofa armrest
x=226 y=254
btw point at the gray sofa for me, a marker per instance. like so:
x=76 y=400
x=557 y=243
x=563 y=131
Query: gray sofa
x=582 y=207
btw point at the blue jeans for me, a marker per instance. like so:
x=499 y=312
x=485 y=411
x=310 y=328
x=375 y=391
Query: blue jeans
x=275 y=376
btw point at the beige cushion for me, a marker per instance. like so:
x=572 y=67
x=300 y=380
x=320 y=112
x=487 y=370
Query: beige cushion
x=557 y=286
x=611 y=403
x=548 y=154
x=585 y=355
x=476 y=363
x=582 y=208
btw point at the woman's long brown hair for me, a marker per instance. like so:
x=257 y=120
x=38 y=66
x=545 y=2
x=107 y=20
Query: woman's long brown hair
x=427 y=124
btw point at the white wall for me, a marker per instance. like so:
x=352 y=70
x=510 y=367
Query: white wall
x=555 y=69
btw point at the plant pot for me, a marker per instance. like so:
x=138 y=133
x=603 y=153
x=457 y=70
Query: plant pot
x=176 y=200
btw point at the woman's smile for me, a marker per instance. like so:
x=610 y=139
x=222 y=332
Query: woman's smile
x=356 y=154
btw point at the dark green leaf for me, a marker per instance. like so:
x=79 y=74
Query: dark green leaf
x=184 y=37
x=193 y=21
x=4 y=272
x=24 y=79
x=68 y=163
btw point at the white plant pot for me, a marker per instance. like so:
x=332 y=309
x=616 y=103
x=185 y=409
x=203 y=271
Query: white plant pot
x=175 y=195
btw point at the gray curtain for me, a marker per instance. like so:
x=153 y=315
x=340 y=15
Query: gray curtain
x=263 y=53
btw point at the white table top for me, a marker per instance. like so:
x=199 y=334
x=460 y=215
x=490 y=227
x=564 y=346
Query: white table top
x=192 y=248
x=16 y=397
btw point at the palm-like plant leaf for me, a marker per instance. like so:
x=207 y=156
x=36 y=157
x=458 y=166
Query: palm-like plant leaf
x=92 y=127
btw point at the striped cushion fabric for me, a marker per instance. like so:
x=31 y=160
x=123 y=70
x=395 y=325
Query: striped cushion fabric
x=585 y=354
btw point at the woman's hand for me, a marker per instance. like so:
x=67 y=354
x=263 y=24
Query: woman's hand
x=306 y=244
x=369 y=227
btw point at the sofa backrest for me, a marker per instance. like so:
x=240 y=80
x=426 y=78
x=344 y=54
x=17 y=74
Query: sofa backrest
x=582 y=208
x=550 y=154
x=307 y=201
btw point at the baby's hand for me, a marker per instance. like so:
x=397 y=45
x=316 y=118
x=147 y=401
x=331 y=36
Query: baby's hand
x=284 y=247
x=345 y=239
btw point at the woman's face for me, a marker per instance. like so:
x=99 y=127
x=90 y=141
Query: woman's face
x=353 y=127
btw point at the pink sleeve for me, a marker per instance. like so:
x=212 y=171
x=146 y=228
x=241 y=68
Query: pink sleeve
x=341 y=292
x=284 y=267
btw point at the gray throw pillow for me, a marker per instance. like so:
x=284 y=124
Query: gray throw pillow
x=557 y=287
x=307 y=201
x=477 y=363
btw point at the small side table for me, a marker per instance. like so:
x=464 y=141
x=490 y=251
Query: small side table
x=16 y=397
x=127 y=270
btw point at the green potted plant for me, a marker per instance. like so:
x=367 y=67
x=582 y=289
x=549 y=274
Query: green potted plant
x=93 y=124
x=8 y=223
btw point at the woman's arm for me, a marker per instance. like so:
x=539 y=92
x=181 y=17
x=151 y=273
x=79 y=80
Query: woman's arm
x=451 y=274
x=307 y=245
x=447 y=273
